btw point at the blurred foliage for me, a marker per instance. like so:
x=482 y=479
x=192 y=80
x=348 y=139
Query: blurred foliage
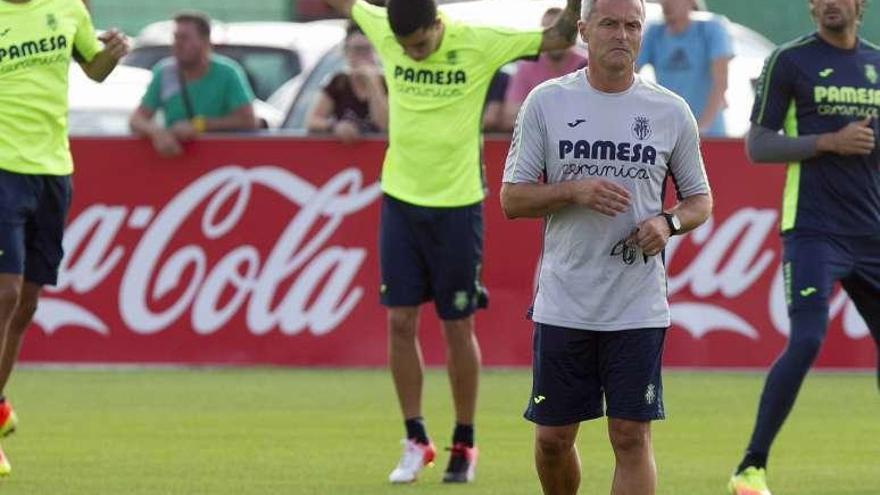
x=785 y=20
x=778 y=20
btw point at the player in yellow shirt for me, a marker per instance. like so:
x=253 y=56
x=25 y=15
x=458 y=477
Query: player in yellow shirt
x=438 y=73
x=38 y=39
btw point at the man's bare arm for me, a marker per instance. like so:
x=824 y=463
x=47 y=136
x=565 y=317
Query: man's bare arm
x=525 y=200
x=240 y=119
x=341 y=6
x=141 y=122
x=652 y=234
x=115 y=47
x=562 y=34
x=693 y=211
x=716 y=94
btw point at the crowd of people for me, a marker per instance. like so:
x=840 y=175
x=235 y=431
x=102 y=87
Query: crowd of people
x=689 y=55
x=200 y=91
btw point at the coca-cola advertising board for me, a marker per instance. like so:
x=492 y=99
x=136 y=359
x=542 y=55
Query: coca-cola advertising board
x=264 y=251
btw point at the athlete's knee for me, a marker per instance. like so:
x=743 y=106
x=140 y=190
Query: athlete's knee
x=805 y=348
x=629 y=437
x=10 y=292
x=24 y=313
x=403 y=322
x=460 y=329
x=554 y=441
x=807 y=333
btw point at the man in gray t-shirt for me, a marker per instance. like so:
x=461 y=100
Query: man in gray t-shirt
x=590 y=154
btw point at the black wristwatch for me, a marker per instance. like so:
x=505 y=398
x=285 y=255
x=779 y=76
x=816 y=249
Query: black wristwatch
x=673 y=222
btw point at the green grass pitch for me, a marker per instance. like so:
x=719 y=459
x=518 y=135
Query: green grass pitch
x=233 y=431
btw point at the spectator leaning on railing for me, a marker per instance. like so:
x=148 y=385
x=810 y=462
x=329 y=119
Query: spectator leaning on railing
x=691 y=57
x=198 y=91
x=355 y=101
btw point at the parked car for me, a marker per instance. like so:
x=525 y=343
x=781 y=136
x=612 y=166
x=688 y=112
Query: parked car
x=104 y=108
x=271 y=53
x=750 y=47
x=298 y=95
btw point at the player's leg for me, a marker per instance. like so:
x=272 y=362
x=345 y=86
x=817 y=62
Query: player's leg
x=405 y=361
x=463 y=365
x=10 y=292
x=16 y=327
x=12 y=338
x=404 y=288
x=453 y=245
x=866 y=297
x=18 y=201
x=557 y=460
x=634 y=468
x=44 y=250
x=630 y=368
x=407 y=371
x=811 y=264
x=566 y=390
x=863 y=287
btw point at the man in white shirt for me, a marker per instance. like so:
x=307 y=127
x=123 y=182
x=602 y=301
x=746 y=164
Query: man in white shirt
x=590 y=154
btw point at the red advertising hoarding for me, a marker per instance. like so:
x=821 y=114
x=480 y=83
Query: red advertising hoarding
x=264 y=251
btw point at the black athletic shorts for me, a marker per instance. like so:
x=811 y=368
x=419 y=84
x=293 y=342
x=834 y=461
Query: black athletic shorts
x=33 y=211
x=432 y=253
x=578 y=374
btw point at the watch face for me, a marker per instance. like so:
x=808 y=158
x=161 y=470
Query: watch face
x=676 y=223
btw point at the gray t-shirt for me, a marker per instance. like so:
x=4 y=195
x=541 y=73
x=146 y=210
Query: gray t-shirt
x=566 y=130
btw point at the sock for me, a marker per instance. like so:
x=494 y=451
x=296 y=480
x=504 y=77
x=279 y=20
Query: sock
x=415 y=430
x=752 y=459
x=463 y=434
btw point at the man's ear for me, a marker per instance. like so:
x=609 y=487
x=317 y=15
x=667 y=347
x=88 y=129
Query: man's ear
x=582 y=31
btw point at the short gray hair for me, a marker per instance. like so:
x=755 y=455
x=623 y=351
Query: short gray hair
x=587 y=7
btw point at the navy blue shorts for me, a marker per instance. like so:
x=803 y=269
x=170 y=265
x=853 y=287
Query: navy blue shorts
x=432 y=253
x=813 y=262
x=575 y=373
x=33 y=211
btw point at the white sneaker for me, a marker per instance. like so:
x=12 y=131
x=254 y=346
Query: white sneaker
x=414 y=458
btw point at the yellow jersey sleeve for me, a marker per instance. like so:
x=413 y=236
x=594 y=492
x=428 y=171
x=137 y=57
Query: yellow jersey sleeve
x=85 y=42
x=503 y=45
x=372 y=20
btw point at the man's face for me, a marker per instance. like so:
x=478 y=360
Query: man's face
x=613 y=33
x=835 y=15
x=422 y=43
x=676 y=10
x=189 y=46
x=547 y=21
x=359 y=51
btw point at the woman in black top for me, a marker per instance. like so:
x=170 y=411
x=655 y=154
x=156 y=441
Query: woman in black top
x=355 y=101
